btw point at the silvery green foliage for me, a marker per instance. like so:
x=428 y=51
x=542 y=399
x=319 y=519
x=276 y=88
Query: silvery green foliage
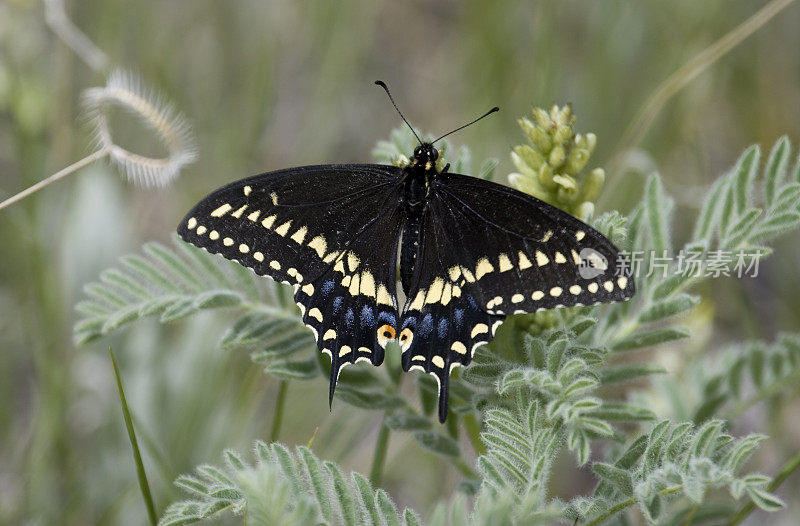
x=402 y=142
x=736 y=378
x=536 y=388
x=670 y=462
x=164 y=283
x=283 y=488
x=741 y=212
x=171 y=284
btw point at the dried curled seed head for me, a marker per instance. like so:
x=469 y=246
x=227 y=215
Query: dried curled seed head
x=124 y=90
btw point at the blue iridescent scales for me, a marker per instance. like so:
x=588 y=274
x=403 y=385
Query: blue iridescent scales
x=482 y=251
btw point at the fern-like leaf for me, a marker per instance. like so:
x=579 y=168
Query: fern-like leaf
x=282 y=487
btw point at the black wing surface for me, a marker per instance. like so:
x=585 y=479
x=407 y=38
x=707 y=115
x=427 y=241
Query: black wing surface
x=331 y=232
x=487 y=251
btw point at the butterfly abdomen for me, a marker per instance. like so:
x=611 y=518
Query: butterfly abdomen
x=409 y=250
x=414 y=195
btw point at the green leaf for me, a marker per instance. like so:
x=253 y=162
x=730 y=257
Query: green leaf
x=709 y=408
x=214 y=299
x=623 y=373
x=555 y=354
x=369 y=511
x=315 y=475
x=788 y=198
x=570 y=370
x=756 y=479
x=777 y=166
x=387 y=509
x=257 y=328
x=294 y=370
x=757 y=369
x=535 y=349
x=578 y=443
x=438 y=443
x=668 y=307
x=619 y=478
x=581 y=324
x=669 y=285
x=711 y=211
x=705 y=437
x=283 y=488
x=742 y=228
x=580 y=387
x=777 y=225
x=143 y=269
x=372 y=399
x=345 y=500
x=650 y=338
x=410 y=518
x=233 y=459
x=487 y=168
x=764 y=499
x=633 y=453
x=176 y=268
x=594 y=425
x=121 y=317
x=745 y=170
x=168 y=283
x=191 y=484
x=178 y=310
x=621 y=411
x=657 y=208
x=407 y=422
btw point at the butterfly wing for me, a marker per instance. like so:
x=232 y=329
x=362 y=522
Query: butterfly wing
x=487 y=251
x=331 y=232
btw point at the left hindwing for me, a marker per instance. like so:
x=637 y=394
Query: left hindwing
x=487 y=251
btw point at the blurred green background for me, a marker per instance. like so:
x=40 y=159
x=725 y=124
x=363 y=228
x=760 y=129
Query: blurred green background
x=267 y=85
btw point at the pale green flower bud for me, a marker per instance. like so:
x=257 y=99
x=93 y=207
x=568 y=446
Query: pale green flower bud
x=556 y=157
x=551 y=165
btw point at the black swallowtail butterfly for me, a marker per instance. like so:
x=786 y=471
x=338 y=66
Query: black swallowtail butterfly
x=471 y=252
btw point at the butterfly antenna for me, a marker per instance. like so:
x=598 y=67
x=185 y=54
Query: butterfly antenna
x=383 y=85
x=468 y=124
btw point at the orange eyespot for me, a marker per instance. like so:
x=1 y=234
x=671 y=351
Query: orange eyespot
x=385 y=333
x=406 y=337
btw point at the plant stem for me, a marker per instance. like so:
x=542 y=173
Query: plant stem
x=381 y=447
x=618 y=507
x=99 y=154
x=782 y=475
x=690 y=516
x=277 y=420
x=395 y=374
x=57 y=19
x=137 y=457
x=685 y=74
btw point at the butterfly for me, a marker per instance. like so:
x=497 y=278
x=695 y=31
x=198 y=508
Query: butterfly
x=470 y=252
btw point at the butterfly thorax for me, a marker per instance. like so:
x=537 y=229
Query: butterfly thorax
x=418 y=175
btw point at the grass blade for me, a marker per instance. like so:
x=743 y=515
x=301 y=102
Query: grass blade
x=137 y=457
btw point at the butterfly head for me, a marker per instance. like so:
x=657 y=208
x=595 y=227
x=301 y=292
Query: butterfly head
x=425 y=156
